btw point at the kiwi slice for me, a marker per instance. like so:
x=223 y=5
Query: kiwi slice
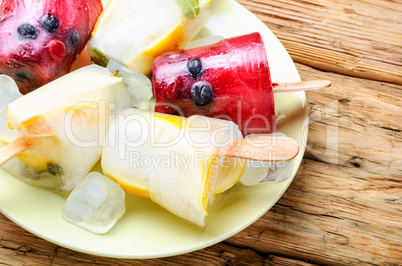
x=190 y=8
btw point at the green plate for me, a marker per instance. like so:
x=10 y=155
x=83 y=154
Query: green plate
x=146 y=230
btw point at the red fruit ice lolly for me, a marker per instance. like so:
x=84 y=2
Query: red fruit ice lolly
x=40 y=39
x=229 y=79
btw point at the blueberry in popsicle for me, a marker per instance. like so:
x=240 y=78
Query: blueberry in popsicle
x=40 y=39
x=229 y=79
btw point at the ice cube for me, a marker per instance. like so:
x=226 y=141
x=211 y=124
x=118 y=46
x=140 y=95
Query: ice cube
x=139 y=86
x=8 y=91
x=260 y=172
x=203 y=41
x=96 y=204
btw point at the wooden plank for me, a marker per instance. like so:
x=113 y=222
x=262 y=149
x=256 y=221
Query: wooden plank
x=359 y=38
x=347 y=208
x=28 y=249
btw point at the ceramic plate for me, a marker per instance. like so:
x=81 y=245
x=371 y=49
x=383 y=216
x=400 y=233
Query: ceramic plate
x=146 y=230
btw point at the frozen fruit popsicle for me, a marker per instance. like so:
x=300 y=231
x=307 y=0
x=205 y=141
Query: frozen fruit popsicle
x=40 y=39
x=63 y=125
x=172 y=160
x=229 y=79
x=183 y=164
x=134 y=32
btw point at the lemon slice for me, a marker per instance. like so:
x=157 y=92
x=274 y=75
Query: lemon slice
x=131 y=187
x=229 y=176
x=39 y=163
x=124 y=131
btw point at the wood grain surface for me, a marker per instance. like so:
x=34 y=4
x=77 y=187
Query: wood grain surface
x=356 y=37
x=345 y=204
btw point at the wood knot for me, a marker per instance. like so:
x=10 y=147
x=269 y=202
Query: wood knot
x=344 y=100
x=349 y=11
x=356 y=162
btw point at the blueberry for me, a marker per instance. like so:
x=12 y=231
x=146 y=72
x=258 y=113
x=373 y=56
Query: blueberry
x=202 y=93
x=73 y=38
x=49 y=22
x=28 y=31
x=194 y=66
x=21 y=76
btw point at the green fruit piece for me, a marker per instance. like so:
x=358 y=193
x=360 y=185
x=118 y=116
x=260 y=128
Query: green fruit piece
x=190 y=8
x=102 y=59
x=54 y=169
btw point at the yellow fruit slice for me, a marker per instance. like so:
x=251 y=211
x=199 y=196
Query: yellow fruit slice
x=211 y=174
x=87 y=113
x=130 y=184
x=37 y=159
x=130 y=187
x=38 y=125
x=173 y=41
x=230 y=172
x=39 y=163
x=221 y=175
x=172 y=119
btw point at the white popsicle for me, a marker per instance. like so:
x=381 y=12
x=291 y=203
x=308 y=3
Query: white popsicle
x=64 y=123
x=173 y=160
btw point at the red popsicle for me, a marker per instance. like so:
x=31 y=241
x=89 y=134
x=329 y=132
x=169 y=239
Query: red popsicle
x=229 y=79
x=40 y=39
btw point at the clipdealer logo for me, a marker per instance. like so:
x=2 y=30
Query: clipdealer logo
x=97 y=116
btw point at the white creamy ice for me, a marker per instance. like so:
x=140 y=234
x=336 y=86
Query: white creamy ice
x=172 y=160
x=65 y=122
x=134 y=32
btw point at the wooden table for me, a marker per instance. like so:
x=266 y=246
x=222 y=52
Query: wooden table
x=345 y=204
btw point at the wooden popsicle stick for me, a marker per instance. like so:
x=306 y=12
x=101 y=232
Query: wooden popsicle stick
x=262 y=148
x=301 y=86
x=13 y=149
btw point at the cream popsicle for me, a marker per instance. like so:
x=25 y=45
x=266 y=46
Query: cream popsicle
x=134 y=32
x=64 y=124
x=173 y=160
